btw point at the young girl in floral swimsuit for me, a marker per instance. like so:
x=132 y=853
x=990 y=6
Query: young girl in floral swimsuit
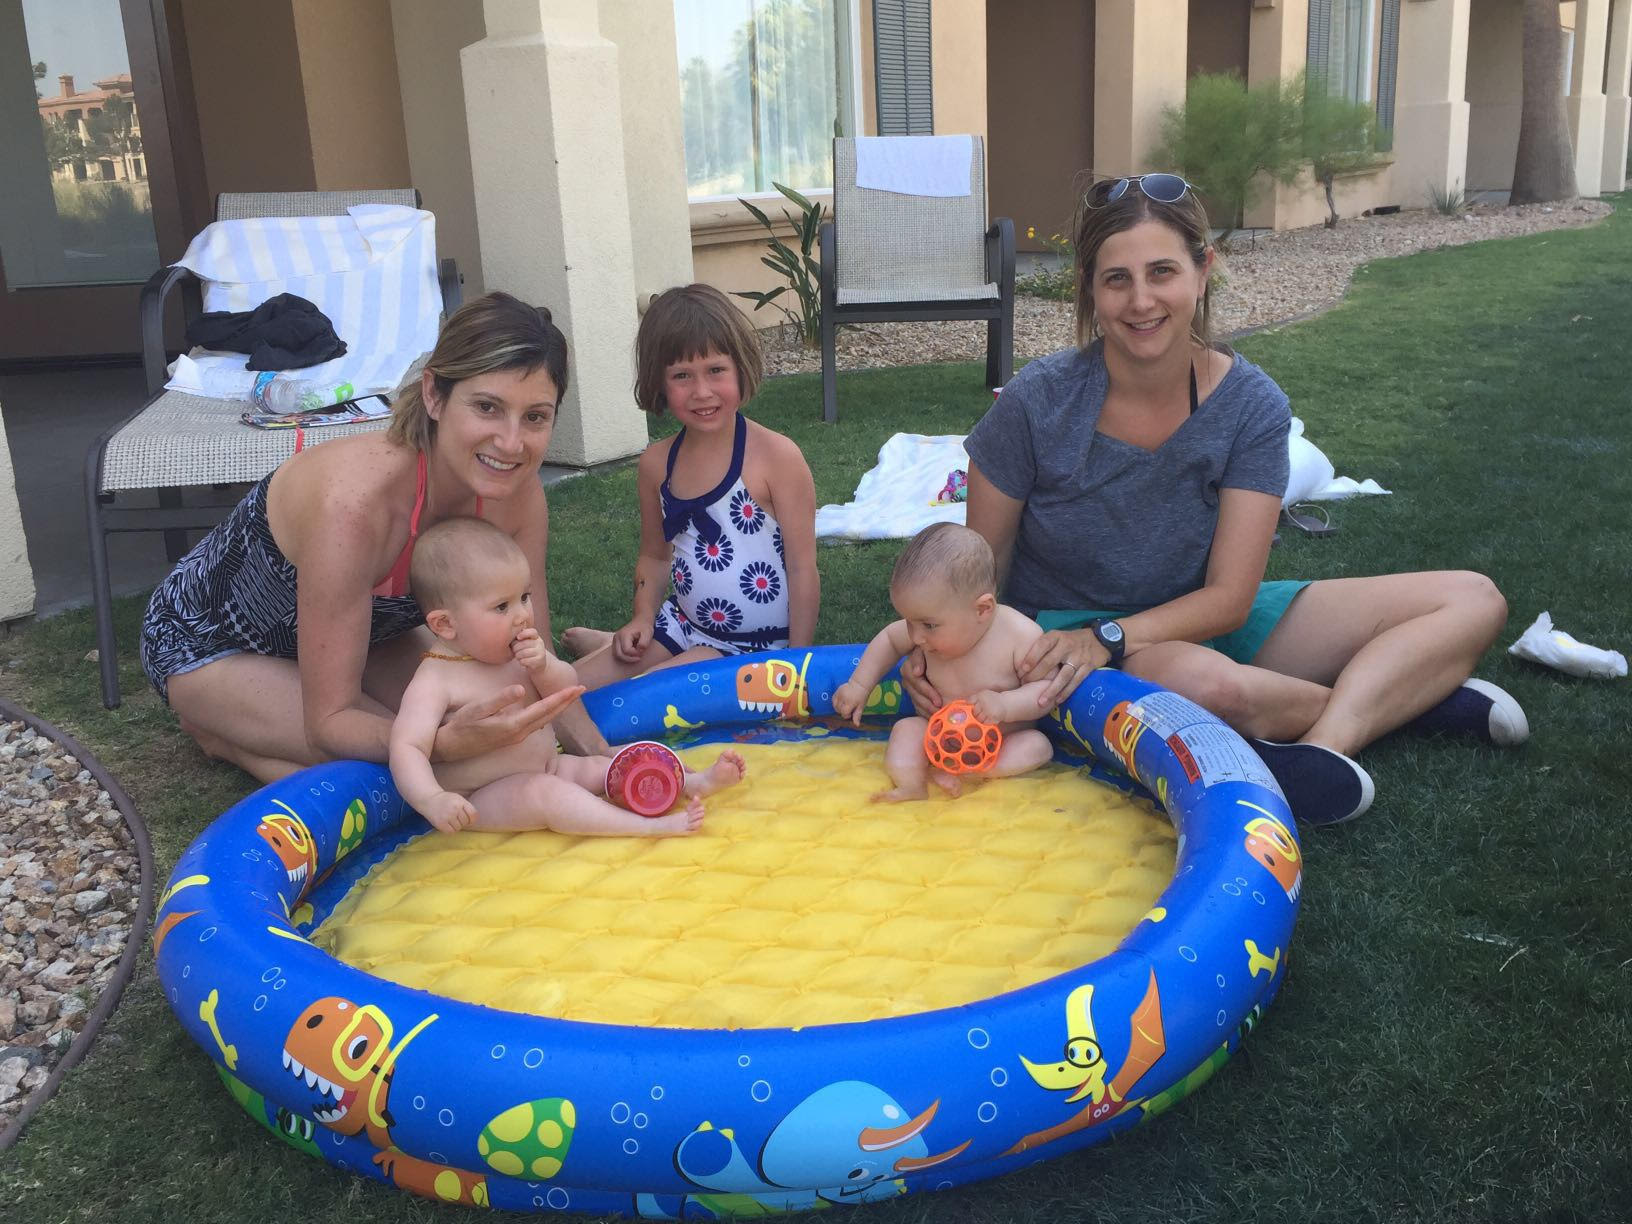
x=727 y=506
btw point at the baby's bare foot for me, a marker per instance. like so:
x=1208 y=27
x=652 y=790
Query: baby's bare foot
x=579 y=641
x=678 y=824
x=950 y=783
x=899 y=794
x=728 y=769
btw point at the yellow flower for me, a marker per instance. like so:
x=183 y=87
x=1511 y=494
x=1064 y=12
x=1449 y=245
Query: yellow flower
x=1031 y=231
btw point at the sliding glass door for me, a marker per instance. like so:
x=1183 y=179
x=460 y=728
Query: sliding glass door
x=92 y=206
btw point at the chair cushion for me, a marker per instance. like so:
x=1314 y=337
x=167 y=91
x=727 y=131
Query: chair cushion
x=182 y=439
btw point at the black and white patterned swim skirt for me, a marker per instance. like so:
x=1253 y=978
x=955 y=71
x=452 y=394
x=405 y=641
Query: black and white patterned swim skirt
x=234 y=593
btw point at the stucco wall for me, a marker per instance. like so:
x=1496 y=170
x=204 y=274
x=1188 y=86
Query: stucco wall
x=654 y=157
x=864 y=69
x=16 y=576
x=1040 y=111
x=546 y=124
x=1495 y=90
x=957 y=30
x=1219 y=36
x=727 y=244
x=348 y=69
x=245 y=65
x=1140 y=52
x=1304 y=203
x=428 y=35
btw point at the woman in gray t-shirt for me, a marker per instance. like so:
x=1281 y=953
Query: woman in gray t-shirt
x=1130 y=489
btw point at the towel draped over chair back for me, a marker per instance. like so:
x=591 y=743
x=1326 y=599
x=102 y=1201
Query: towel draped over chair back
x=910 y=248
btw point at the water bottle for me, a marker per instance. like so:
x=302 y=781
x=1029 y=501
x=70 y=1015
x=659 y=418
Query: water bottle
x=279 y=393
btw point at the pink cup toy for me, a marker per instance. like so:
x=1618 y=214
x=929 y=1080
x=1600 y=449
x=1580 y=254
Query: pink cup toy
x=645 y=777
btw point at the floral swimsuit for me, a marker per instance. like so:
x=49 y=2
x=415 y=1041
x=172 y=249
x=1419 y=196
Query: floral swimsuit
x=730 y=578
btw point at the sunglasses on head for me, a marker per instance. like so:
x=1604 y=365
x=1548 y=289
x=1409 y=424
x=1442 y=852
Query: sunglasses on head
x=1163 y=188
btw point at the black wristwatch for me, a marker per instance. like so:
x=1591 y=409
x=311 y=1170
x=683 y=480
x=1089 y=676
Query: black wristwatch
x=1111 y=637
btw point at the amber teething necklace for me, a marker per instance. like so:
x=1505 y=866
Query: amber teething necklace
x=451 y=658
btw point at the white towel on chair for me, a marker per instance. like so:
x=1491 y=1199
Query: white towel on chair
x=914 y=165
x=894 y=499
x=371 y=271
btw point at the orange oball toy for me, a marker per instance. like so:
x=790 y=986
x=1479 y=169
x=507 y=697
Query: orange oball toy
x=957 y=742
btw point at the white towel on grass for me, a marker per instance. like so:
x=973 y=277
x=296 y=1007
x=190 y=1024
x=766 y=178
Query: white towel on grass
x=371 y=271
x=895 y=499
x=1312 y=476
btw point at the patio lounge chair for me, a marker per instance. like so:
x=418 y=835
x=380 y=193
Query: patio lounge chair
x=888 y=257
x=176 y=440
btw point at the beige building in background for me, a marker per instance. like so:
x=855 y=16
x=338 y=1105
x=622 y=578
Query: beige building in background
x=550 y=139
x=461 y=103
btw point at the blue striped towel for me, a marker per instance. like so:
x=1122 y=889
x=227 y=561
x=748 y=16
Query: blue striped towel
x=371 y=271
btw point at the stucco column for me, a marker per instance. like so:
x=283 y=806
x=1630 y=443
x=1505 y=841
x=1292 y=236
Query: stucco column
x=1140 y=53
x=654 y=143
x=1277 y=47
x=1617 y=104
x=1586 y=103
x=16 y=575
x=1430 y=106
x=543 y=105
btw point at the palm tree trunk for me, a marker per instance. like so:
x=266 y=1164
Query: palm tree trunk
x=1545 y=166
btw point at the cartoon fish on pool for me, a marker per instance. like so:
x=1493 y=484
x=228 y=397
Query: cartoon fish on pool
x=292 y=842
x=773 y=686
x=1271 y=843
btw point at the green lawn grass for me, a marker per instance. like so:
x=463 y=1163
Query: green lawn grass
x=1453 y=1040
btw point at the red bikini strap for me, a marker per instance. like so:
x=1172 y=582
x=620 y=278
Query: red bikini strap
x=419 y=502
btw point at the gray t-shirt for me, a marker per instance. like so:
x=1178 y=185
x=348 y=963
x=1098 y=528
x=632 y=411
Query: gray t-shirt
x=1108 y=525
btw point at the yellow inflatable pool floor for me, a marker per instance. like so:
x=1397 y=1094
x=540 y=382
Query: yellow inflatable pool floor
x=799 y=903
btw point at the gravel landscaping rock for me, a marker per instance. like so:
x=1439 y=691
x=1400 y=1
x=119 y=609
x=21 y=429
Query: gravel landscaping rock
x=1278 y=277
x=70 y=885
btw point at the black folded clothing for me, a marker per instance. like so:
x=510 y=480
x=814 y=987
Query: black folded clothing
x=282 y=333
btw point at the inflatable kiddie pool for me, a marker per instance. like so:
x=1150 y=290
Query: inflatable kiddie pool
x=526 y=1112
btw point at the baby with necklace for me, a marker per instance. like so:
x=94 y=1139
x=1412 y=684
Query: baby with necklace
x=472 y=582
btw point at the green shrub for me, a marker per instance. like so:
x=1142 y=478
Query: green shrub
x=96 y=215
x=1230 y=140
x=1339 y=135
x=1058 y=284
x=1447 y=201
x=800 y=269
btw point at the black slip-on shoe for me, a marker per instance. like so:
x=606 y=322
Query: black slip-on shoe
x=1322 y=787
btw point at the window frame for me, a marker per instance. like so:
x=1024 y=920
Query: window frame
x=1366 y=68
x=857 y=119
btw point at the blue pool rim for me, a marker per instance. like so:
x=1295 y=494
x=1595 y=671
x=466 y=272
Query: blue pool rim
x=660 y=1122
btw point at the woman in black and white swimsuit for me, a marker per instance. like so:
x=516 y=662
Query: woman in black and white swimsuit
x=287 y=635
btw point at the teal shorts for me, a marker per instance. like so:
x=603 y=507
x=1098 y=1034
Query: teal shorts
x=1270 y=604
